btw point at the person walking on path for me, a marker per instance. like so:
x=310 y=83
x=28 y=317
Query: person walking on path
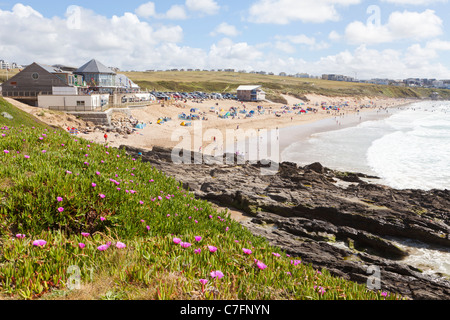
x=106 y=138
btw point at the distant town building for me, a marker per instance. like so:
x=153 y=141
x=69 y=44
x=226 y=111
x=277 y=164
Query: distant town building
x=250 y=93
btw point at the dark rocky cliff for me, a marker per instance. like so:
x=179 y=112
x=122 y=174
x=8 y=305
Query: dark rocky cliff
x=304 y=210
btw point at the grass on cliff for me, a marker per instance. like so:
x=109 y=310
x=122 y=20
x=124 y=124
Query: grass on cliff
x=79 y=220
x=273 y=85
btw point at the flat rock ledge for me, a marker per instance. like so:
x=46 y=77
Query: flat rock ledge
x=307 y=211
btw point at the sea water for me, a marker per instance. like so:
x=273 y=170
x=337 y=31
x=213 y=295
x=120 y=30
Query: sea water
x=407 y=149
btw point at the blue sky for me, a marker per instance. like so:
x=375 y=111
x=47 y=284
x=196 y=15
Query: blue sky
x=368 y=39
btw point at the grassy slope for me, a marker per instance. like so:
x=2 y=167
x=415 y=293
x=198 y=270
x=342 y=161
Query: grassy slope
x=274 y=85
x=146 y=214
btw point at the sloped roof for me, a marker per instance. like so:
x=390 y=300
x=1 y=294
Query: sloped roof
x=50 y=69
x=94 y=66
x=248 y=88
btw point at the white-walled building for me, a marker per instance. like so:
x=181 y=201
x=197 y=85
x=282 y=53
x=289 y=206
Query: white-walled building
x=250 y=93
x=71 y=101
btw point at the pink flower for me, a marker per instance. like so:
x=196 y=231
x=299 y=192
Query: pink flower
x=148 y=228
x=27 y=157
x=197 y=251
x=176 y=240
x=247 y=251
x=93 y=184
x=296 y=262
x=102 y=196
x=44 y=151
x=198 y=238
x=276 y=254
x=6 y=151
x=81 y=245
x=203 y=281
x=261 y=265
x=120 y=245
x=142 y=220
x=103 y=247
x=59 y=199
x=141 y=202
x=212 y=248
x=60 y=209
x=320 y=289
x=20 y=236
x=69 y=172
x=102 y=218
x=97 y=173
x=217 y=274
x=39 y=243
x=85 y=234
x=185 y=244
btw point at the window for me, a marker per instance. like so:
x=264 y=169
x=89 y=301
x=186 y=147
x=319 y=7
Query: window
x=80 y=103
x=35 y=76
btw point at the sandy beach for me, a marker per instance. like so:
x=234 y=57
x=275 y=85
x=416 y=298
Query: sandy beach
x=168 y=134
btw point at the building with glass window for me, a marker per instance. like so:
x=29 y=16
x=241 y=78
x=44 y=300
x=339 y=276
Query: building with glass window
x=97 y=76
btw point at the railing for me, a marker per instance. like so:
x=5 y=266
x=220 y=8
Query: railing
x=23 y=94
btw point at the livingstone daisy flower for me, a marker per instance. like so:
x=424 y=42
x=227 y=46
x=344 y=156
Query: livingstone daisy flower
x=39 y=243
x=85 y=234
x=261 y=265
x=60 y=209
x=217 y=274
x=81 y=245
x=212 y=248
x=103 y=247
x=120 y=245
x=185 y=244
x=198 y=238
x=176 y=240
x=247 y=251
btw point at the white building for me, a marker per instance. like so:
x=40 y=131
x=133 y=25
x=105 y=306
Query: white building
x=4 y=65
x=250 y=93
x=67 y=99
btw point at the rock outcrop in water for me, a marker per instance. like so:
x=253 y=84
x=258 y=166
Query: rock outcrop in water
x=307 y=210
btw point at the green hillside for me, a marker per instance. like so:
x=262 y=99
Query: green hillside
x=79 y=220
x=207 y=81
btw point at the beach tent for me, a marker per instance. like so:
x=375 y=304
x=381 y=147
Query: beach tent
x=141 y=126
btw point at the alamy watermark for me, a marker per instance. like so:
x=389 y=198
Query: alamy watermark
x=374 y=280
x=238 y=147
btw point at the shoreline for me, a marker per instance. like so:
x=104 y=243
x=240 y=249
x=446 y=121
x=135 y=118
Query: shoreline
x=164 y=135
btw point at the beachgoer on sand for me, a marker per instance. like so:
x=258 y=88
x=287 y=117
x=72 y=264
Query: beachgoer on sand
x=106 y=137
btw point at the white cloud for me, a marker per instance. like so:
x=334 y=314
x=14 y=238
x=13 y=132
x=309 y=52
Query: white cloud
x=438 y=45
x=334 y=36
x=146 y=10
x=225 y=29
x=302 y=39
x=284 y=46
x=208 y=7
x=400 y=26
x=371 y=63
x=176 y=12
x=414 y=2
x=227 y=54
x=286 y=11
